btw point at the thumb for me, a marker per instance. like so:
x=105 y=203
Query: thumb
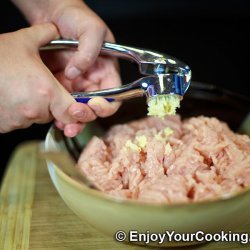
x=60 y=102
x=41 y=34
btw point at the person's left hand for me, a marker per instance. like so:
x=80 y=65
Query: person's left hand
x=81 y=70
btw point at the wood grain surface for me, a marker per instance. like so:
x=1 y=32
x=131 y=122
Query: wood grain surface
x=33 y=216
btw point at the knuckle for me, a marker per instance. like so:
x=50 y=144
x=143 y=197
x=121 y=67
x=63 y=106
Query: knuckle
x=27 y=112
x=31 y=114
x=45 y=92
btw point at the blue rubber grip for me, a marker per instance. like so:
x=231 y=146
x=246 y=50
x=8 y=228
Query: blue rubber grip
x=86 y=99
x=178 y=84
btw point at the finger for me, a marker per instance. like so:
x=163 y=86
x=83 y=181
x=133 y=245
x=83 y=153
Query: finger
x=115 y=72
x=102 y=107
x=60 y=101
x=90 y=42
x=56 y=60
x=71 y=130
x=66 y=110
x=41 y=34
x=59 y=125
x=80 y=84
x=102 y=74
x=92 y=87
x=112 y=77
x=81 y=112
x=67 y=84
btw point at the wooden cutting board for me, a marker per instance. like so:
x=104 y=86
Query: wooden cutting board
x=33 y=216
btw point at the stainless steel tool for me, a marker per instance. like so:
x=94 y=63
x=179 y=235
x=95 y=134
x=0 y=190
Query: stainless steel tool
x=163 y=74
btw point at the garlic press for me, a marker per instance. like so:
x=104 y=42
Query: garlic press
x=162 y=74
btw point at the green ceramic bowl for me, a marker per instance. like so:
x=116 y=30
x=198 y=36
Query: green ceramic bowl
x=109 y=215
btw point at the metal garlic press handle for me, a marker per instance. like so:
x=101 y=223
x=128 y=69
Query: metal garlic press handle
x=111 y=49
x=150 y=62
x=163 y=74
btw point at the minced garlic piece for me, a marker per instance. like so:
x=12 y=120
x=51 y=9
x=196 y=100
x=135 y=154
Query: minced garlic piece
x=164 y=134
x=159 y=137
x=129 y=144
x=168 y=149
x=141 y=141
x=163 y=105
x=168 y=131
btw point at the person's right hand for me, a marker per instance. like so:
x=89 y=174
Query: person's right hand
x=29 y=93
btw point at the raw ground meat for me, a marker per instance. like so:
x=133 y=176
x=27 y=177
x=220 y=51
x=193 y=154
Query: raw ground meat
x=168 y=161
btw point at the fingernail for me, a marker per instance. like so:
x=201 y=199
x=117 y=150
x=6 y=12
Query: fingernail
x=78 y=114
x=73 y=72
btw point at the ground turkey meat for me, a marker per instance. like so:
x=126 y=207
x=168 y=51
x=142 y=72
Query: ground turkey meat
x=168 y=160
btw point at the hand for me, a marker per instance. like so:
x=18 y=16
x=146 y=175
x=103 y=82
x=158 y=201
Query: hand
x=83 y=70
x=29 y=93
